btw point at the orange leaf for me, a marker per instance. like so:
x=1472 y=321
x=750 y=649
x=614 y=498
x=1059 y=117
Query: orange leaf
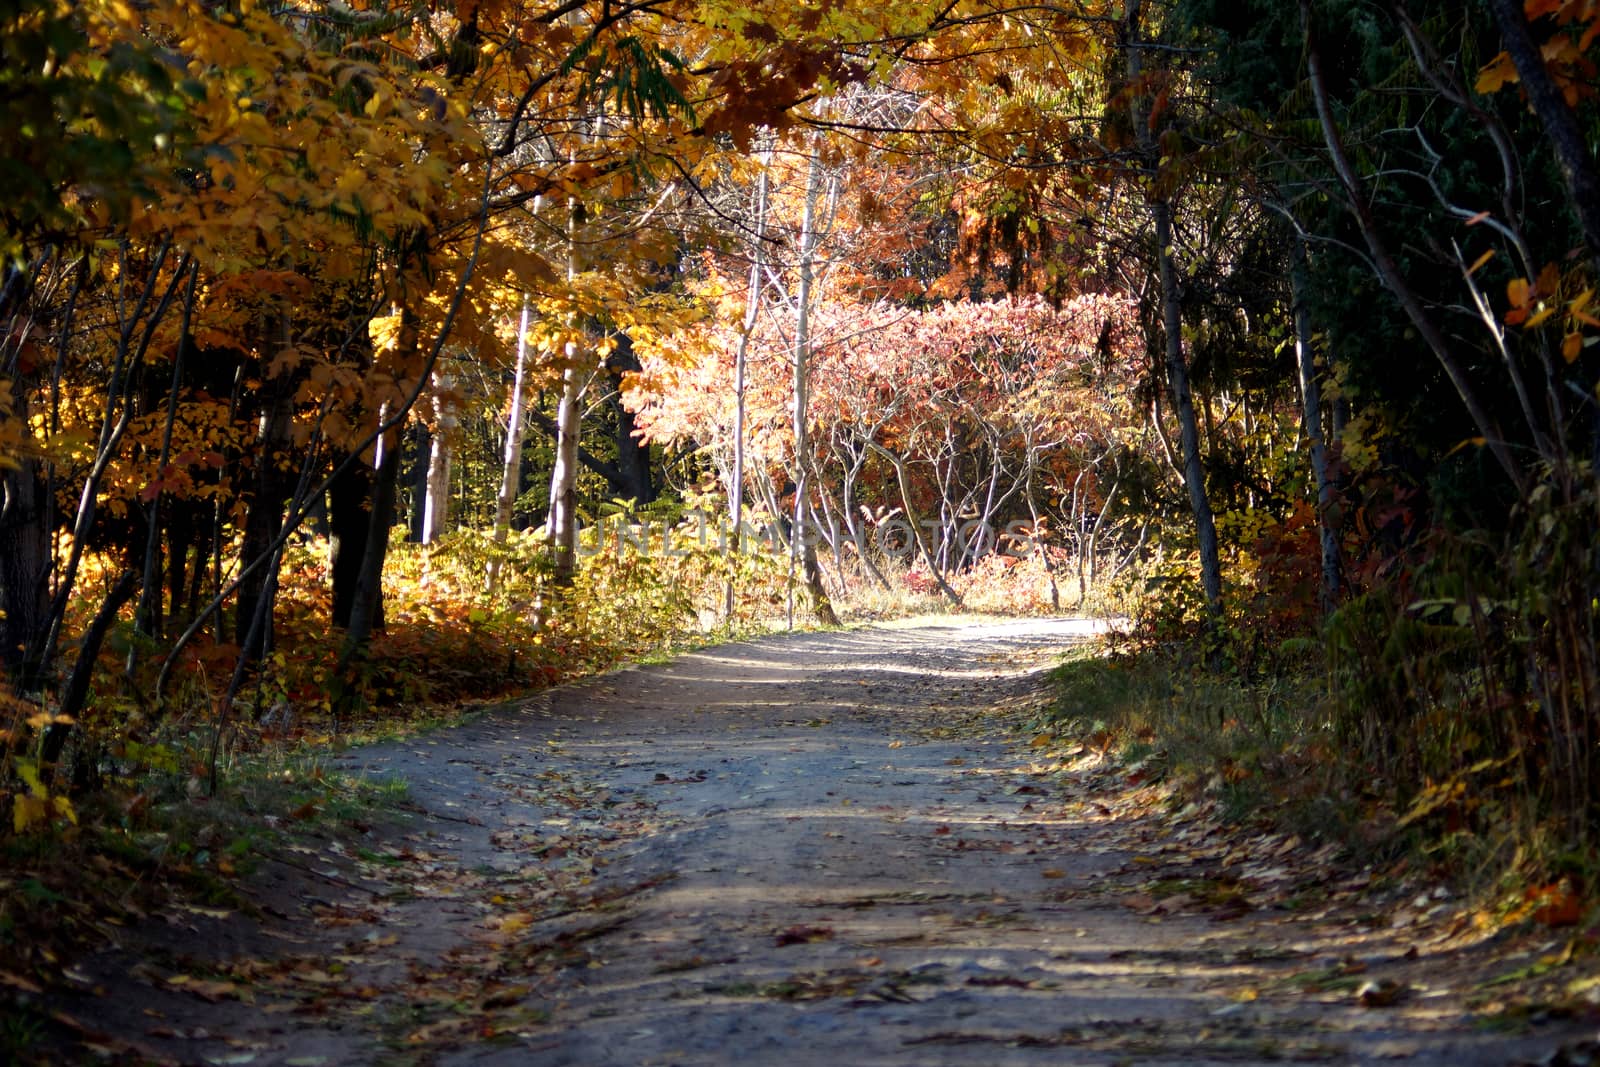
x=1572 y=347
x=1549 y=280
x=1557 y=904
x=1499 y=72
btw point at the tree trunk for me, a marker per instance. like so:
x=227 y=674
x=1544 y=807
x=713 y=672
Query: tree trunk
x=563 y=523
x=366 y=608
x=25 y=565
x=364 y=575
x=575 y=378
x=348 y=498
x=419 y=451
x=436 y=503
x=511 y=468
x=273 y=486
x=636 y=480
x=802 y=545
x=1177 y=363
x=76 y=691
x=26 y=505
x=741 y=355
x=1311 y=399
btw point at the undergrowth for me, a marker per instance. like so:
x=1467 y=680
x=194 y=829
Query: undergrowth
x=156 y=840
x=1440 y=717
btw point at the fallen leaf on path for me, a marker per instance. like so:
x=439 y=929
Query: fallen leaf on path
x=1000 y=980
x=16 y=981
x=205 y=989
x=801 y=935
x=1381 y=994
x=513 y=923
x=505 y=998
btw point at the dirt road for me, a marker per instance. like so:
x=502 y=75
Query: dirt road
x=823 y=849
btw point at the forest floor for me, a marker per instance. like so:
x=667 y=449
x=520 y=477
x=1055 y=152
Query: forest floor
x=831 y=849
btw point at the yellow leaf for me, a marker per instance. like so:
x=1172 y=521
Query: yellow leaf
x=385 y=332
x=26 y=812
x=28 y=771
x=513 y=923
x=1543 y=313
x=1480 y=261
x=1572 y=347
x=64 y=809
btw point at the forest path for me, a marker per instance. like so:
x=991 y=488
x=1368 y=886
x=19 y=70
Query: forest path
x=813 y=849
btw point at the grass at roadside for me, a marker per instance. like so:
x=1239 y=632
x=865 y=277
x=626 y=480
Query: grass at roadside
x=157 y=846
x=1257 y=764
x=1263 y=755
x=1256 y=749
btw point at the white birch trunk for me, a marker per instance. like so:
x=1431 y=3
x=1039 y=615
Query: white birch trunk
x=752 y=309
x=562 y=526
x=511 y=469
x=436 y=506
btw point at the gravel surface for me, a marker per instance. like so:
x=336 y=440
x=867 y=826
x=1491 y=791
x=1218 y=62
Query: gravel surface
x=812 y=849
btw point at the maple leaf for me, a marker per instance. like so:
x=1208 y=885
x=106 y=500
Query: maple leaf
x=1496 y=74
